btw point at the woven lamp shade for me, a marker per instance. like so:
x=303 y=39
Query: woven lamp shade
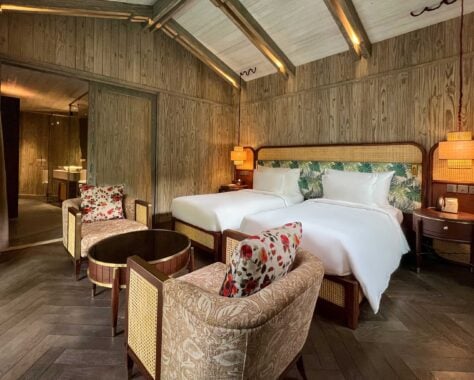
x=238 y=155
x=458 y=150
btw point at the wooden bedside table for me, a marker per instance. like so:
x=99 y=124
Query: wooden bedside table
x=225 y=188
x=458 y=228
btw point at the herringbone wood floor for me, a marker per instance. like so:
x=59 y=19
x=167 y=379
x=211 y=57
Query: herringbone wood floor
x=50 y=328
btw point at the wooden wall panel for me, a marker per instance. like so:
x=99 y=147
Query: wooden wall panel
x=194 y=141
x=407 y=91
x=119 y=51
x=45 y=145
x=34 y=137
x=120 y=140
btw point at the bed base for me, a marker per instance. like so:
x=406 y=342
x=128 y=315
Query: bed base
x=339 y=297
x=209 y=241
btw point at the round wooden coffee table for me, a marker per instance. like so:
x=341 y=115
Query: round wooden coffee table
x=169 y=251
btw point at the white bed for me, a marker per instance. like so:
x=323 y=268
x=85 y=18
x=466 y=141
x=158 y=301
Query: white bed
x=350 y=238
x=217 y=212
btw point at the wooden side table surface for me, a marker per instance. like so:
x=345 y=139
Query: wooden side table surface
x=458 y=228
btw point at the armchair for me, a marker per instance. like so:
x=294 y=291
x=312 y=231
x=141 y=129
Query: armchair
x=183 y=329
x=78 y=237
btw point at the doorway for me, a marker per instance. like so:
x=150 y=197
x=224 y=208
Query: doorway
x=45 y=122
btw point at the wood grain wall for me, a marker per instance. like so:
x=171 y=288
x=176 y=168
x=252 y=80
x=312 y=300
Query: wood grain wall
x=195 y=118
x=407 y=91
x=194 y=141
x=120 y=139
x=42 y=138
x=109 y=50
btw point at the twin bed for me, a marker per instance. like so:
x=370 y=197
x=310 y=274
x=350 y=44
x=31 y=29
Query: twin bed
x=360 y=244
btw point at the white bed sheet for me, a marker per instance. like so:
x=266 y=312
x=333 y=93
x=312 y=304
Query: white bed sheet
x=348 y=238
x=217 y=212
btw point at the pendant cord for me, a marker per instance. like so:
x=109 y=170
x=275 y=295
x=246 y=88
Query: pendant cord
x=460 y=67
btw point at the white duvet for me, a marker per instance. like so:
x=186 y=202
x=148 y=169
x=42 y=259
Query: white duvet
x=348 y=238
x=217 y=212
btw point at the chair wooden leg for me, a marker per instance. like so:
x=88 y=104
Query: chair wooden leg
x=129 y=367
x=115 y=300
x=93 y=290
x=77 y=269
x=300 y=366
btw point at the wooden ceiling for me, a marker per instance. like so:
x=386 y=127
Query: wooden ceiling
x=41 y=92
x=303 y=29
x=265 y=36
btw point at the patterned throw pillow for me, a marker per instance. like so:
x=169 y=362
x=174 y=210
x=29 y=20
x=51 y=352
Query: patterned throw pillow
x=101 y=203
x=259 y=260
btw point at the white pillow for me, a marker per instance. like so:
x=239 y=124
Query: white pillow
x=355 y=189
x=292 y=177
x=382 y=184
x=268 y=181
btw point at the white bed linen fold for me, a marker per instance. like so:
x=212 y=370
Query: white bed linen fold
x=348 y=237
x=217 y=212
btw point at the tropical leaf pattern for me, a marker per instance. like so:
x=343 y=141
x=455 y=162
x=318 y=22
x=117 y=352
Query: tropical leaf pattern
x=405 y=189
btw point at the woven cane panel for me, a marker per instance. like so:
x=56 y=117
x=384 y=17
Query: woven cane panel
x=230 y=246
x=198 y=236
x=142 y=320
x=333 y=292
x=71 y=233
x=141 y=214
x=358 y=153
x=441 y=172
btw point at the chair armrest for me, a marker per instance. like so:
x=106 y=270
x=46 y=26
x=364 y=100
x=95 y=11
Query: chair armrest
x=74 y=224
x=230 y=240
x=143 y=213
x=144 y=315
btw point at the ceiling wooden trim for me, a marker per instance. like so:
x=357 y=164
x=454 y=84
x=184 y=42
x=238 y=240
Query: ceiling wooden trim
x=83 y=8
x=163 y=10
x=243 y=19
x=188 y=41
x=348 y=21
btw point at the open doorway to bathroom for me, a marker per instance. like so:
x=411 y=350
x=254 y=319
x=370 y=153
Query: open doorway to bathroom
x=44 y=121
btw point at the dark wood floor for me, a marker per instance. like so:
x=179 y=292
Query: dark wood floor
x=50 y=328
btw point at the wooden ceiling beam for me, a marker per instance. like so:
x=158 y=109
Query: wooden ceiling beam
x=189 y=42
x=243 y=19
x=348 y=21
x=83 y=8
x=163 y=10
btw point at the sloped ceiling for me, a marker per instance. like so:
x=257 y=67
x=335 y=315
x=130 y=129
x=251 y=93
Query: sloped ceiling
x=303 y=29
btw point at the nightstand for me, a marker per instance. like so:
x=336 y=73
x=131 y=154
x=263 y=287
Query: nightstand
x=232 y=187
x=458 y=228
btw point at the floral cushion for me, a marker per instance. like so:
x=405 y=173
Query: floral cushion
x=101 y=203
x=260 y=260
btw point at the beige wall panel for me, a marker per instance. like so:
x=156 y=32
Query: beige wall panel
x=120 y=137
x=407 y=91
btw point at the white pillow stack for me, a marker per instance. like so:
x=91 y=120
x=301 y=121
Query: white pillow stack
x=366 y=188
x=290 y=178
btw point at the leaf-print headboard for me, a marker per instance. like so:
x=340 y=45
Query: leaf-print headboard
x=406 y=159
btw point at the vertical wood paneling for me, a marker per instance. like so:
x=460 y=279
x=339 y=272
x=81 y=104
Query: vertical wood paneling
x=41 y=138
x=120 y=147
x=193 y=144
x=407 y=91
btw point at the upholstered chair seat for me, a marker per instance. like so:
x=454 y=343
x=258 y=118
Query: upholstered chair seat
x=79 y=237
x=203 y=335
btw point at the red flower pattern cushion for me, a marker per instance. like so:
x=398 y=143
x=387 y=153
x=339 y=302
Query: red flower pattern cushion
x=260 y=260
x=101 y=203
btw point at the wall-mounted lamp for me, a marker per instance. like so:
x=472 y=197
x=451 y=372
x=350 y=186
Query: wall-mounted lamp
x=459 y=147
x=458 y=150
x=238 y=155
